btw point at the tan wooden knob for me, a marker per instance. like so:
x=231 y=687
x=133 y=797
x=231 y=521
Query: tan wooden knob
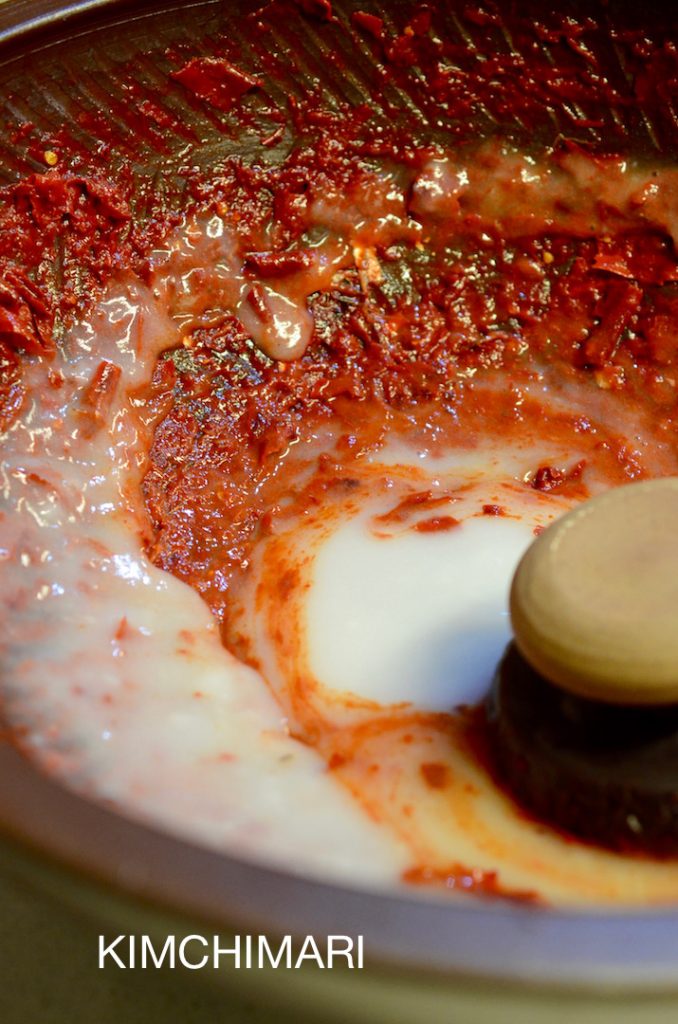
x=594 y=601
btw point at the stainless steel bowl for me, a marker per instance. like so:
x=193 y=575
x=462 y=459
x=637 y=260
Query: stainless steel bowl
x=466 y=960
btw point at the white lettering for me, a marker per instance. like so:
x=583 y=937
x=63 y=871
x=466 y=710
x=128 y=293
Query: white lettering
x=332 y=951
x=247 y=951
x=285 y=949
x=182 y=952
x=109 y=950
x=313 y=955
x=148 y=951
x=219 y=951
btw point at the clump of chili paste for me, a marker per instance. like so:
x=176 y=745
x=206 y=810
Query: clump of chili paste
x=56 y=231
x=216 y=80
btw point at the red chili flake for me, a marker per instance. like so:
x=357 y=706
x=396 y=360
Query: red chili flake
x=216 y=81
x=257 y=300
x=646 y=257
x=550 y=478
x=369 y=22
x=435 y=774
x=122 y=630
x=494 y=510
x=547 y=478
x=35 y=478
x=317 y=8
x=403 y=50
x=99 y=394
x=278 y=264
x=417 y=500
x=25 y=320
x=275 y=136
x=620 y=304
x=436 y=524
x=336 y=761
x=291 y=208
x=105 y=198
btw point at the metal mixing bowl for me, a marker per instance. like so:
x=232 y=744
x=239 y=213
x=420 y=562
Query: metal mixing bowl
x=465 y=960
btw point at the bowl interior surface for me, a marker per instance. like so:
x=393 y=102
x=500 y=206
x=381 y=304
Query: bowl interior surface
x=70 y=64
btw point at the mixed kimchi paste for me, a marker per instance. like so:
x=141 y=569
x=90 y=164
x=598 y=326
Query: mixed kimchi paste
x=265 y=490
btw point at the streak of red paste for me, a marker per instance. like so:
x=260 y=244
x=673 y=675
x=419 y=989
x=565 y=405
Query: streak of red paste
x=436 y=524
x=470 y=880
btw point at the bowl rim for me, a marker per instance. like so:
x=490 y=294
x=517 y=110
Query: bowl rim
x=472 y=938
x=468 y=937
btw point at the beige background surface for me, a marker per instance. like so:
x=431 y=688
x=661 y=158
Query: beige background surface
x=49 y=975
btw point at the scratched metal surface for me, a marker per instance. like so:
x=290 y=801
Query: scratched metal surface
x=102 y=88
x=71 y=77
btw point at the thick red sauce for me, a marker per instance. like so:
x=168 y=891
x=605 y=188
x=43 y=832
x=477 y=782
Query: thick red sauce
x=414 y=352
